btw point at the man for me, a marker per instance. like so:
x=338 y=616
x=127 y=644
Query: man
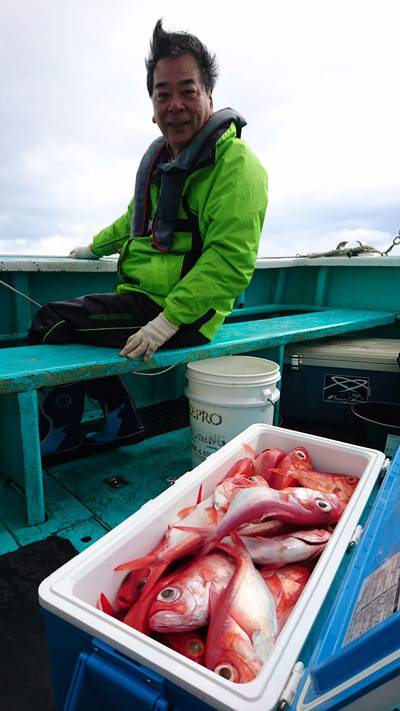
x=188 y=242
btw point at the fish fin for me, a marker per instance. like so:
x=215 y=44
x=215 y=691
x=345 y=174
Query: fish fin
x=137 y=563
x=186 y=511
x=250 y=451
x=228 y=547
x=137 y=617
x=131 y=587
x=105 y=605
x=213 y=514
x=195 y=529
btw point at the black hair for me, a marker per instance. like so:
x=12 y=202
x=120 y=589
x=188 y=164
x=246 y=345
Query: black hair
x=175 y=44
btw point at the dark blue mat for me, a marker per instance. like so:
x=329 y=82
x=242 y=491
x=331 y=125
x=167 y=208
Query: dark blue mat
x=24 y=669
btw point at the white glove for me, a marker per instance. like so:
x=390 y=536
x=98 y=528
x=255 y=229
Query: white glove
x=149 y=338
x=83 y=253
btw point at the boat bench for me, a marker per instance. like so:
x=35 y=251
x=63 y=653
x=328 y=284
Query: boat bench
x=25 y=369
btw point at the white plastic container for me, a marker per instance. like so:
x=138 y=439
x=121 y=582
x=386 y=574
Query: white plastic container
x=71 y=592
x=226 y=395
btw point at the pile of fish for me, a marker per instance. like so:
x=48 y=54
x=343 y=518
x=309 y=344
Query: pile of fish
x=229 y=570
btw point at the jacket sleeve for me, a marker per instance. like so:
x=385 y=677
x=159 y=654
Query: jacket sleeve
x=231 y=222
x=112 y=238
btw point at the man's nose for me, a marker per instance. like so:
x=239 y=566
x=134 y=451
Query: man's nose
x=176 y=103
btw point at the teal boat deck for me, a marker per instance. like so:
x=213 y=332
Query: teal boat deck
x=81 y=506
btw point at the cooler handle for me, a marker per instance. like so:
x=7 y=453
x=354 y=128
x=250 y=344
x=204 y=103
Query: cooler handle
x=107 y=676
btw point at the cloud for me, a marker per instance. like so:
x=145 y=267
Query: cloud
x=316 y=82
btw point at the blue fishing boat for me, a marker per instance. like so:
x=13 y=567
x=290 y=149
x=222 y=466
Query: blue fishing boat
x=330 y=324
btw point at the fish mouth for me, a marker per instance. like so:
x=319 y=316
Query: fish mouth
x=164 y=620
x=171 y=621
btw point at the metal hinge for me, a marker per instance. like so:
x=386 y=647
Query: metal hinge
x=296 y=360
x=291 y=687
x=355 y=539
x=385 y=466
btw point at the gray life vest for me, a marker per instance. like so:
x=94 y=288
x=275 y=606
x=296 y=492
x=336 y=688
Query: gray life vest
x=173 y=175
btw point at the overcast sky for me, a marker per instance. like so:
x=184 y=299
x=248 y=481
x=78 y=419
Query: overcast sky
x=317 y=81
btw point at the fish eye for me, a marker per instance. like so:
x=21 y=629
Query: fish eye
x=323 y=505
x=195 y=647
x=252 y=478
x=227 y=671
x=300 y=454
x=169 y=594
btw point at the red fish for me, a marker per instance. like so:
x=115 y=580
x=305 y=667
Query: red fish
x=283 y=475
x=130 y=588
x=289 y=548
x=178 y=542
x=297 y=506
x=243 y=467
x=298 y=458
x=286 y=585
x=105 y=605
x=181 y=600
x=226 y=490
x=269 y=459
x=191 y=644
x=243 y=624
x=342 y=485
x=267 y=529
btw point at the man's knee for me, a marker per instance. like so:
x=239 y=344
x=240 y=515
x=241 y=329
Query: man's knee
x=49 y=327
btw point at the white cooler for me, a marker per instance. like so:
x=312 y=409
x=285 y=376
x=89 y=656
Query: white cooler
x=68 y=596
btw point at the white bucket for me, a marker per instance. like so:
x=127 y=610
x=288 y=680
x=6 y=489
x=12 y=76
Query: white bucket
x=226 y=395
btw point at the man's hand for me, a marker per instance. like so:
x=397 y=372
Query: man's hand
x=83 y=253
x=149 y=338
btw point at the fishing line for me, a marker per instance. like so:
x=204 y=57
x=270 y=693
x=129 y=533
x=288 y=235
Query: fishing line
x=21 y=293
x=159 y=372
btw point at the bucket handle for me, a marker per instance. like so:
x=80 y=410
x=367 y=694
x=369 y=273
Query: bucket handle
x=270 y=396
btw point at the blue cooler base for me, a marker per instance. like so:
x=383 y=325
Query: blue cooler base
x=89 y=675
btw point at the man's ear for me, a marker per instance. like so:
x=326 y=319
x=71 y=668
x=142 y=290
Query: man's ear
x=211 y=103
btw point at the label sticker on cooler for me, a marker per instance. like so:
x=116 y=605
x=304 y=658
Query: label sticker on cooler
x=345 y=388
x=377 y=600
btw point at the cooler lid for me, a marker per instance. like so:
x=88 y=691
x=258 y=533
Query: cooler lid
x=356 y=353
x=359 y=649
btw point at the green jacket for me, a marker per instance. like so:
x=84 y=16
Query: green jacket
x=227 y=200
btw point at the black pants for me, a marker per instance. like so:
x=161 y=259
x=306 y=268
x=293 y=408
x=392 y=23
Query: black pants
x=104 y=320
x=97 y=319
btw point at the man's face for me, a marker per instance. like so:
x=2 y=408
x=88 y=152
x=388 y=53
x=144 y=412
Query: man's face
x=180 y=102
